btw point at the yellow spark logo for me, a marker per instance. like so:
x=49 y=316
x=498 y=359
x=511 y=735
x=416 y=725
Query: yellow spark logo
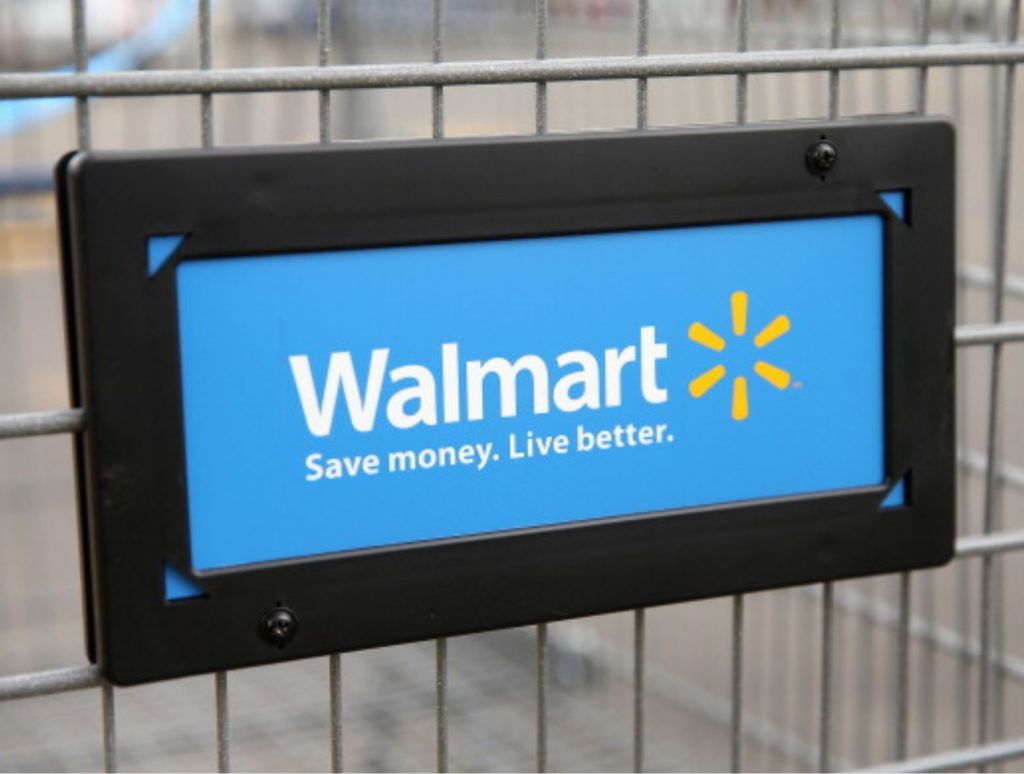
x=706 y=337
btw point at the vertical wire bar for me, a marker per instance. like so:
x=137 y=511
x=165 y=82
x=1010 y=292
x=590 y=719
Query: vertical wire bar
x=902 y=706
x=827 y=652
x=541 y=12
x=924 y=30
x=643 y=26
x=835 y=31
x=79 y=42
x=902 y=703
x=736 y=719
x=542 y=697
x=962 y=688
x=441 y=646
x=220 y=680
x=882 y=76
x=736 y=735
x=541 y=125
x=992 y=14
x=205 y=62
x=323 y=35
x=1002 y=170
x=864 y=717
x=926 y=691
x=334 y=679
x=638 y=688
x=109 y=728
x=323 y=32
x=220 y=683
x=643 y=31
x=442 y=704
x=996 y=588
x=828 y=590
x=83 y=127
x=742 y=44
x=437 y=92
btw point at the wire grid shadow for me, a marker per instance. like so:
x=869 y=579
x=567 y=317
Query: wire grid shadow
x=912 y=672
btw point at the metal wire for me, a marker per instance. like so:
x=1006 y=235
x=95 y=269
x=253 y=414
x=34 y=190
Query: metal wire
x=323 y=36
x=109 y=727
x=989 y=333
x=542 y=697
x=957 y=760
x=541 y=127
x=73 y=420
x=36 y=684
x=992 y=427
x=220 y=690
x=901 y=705
x=41 y=423
x=924 y=32
x=736 y=721
x=835 y=35
x=643 y=28
x=205 y=62
x=541 y=98
x=441 y=654
x=827 y=612
x=827 y=652
x=736 y=731
x=334 y=678
x=437 y=49
x=53 y=681
x=638 y=688
x=742 y=44
x=388 y=76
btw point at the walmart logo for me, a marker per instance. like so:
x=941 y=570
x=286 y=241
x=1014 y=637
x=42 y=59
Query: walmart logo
x=706 y=337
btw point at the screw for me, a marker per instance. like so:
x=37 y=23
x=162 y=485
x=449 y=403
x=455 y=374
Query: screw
x=821 y=157
x=278 y=626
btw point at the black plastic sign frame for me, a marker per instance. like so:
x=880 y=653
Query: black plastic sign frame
x=125 y=370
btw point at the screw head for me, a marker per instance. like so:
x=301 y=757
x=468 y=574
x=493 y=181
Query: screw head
x=821 y=157
x=278 y=626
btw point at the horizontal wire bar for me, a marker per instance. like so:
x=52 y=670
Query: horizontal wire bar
x=991 y=543
x=42 y=423
x=961 y=759
x=976 y=462
x=981 y=276
x=73 y=420
x=989 y=333
x=943 y=639
x=76 y=678
x=165 y=82
x=45 y=683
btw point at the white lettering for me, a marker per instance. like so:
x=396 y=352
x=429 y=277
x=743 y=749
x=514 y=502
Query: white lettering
x=507 y=374
x=651 y=351
x=588 y=376
x=424 y=393
x=362 y=408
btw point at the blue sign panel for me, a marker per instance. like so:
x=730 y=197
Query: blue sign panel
x=348 y=400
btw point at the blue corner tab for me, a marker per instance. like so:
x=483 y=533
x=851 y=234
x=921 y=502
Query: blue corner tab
x=897 y=496
x=160 y=248
x=895 y=201
x=179 y=586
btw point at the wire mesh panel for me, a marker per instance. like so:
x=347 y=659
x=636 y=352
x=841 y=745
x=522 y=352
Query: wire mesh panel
x=916 y=672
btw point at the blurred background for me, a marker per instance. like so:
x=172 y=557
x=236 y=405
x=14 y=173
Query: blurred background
x=279 y=715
